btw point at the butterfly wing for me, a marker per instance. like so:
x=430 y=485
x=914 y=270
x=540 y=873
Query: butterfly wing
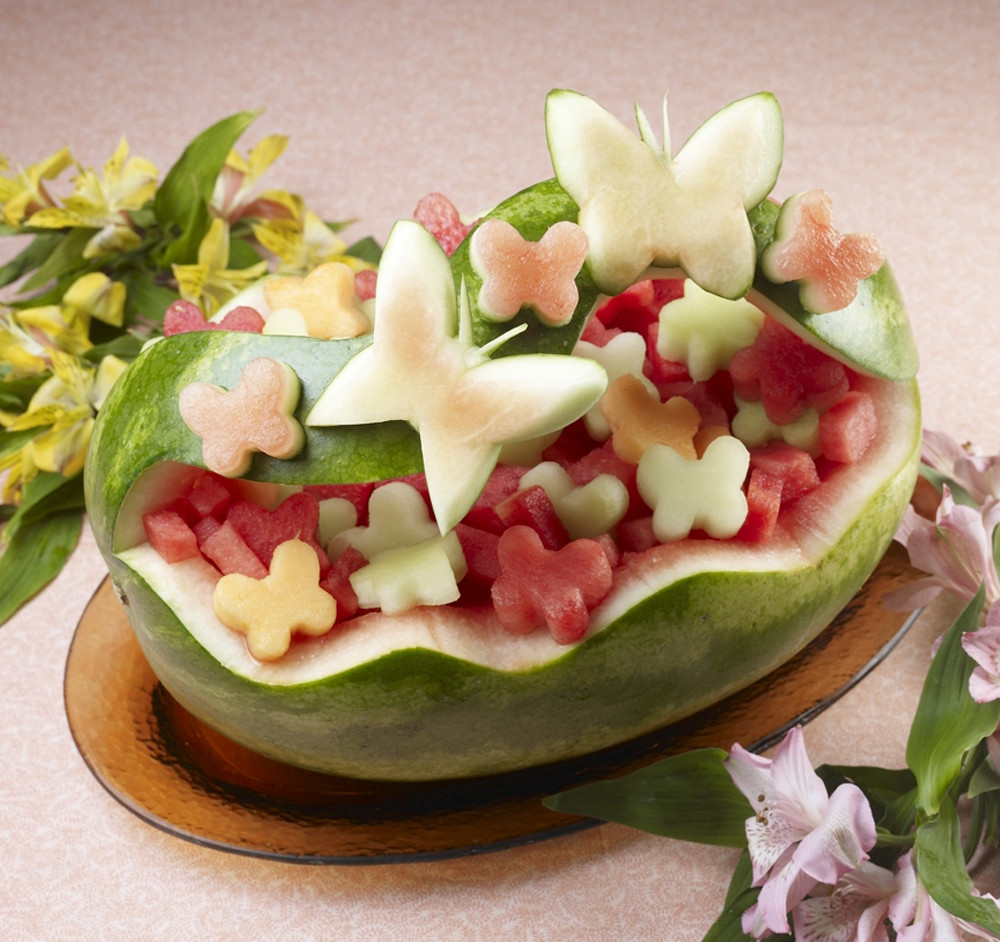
x=726 y=167
x=412 y=343
x=736 y=151
x=497 y=402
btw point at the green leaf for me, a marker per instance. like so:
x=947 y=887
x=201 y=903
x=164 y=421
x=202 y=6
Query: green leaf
x=146 y=298
x=66 y=258
x=181 y=202
x=948 y=721
x=367 y=249
x=689 y=797
x=242 y=254
x=30 y=257
x=34 y=556
x=44 y=495
x=883 y=783
x=984 y=779
x=739 y=898
x=11 y=441
x=125 y=346
x=941 y=866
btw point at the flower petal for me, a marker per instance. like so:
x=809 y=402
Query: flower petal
x=785 y=889
x=803 y=796
x=842 y=840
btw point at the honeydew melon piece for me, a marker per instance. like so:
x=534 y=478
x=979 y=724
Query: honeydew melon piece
x=400 y=578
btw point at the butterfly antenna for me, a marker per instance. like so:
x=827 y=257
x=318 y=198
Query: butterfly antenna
x=497 y=342
x=646 y=130
x=464 y=315
x=667 y=149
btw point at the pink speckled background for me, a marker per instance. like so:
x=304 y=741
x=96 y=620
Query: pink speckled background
x=890 y=107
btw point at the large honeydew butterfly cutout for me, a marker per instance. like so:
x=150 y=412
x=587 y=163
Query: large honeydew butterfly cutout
x=642 y=207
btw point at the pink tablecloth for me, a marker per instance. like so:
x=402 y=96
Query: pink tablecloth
x=890 y=107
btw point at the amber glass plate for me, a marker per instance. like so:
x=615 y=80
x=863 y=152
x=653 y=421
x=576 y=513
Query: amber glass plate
x=181 y=776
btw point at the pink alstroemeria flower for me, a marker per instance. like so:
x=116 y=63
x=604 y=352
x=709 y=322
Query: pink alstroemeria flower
x=799 y=835
x=979 y=474
x=917 y=918
x=854 y=911
x=956 y=549
x=983 y=646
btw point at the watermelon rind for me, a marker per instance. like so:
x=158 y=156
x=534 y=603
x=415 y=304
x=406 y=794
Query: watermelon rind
x=446 y=693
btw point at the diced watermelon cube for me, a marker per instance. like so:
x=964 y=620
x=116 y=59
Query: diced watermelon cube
x=556 y=589
x=637 y=535
x=532 y=507
x=847 y=428
x=662 y=371
x=713 y=398
x=170 y=535
x=337 y=581
x=794 y=467
x=184 y=509
x=481 y=554
x=503 y=482
x=210 y=496
x=786 y=374
x=205 y=527
x=763 y=504
x=365 y=282
x=296 y=517
x=597 y=332
x=181 y=317
x=611 y=549
x=638 y=307
x=243 y=318
x=572 y=444
x=438 y=215
x=230 y=553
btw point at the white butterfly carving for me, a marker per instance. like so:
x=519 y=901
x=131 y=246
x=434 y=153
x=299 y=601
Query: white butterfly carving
x=640 y=206
x=465 y=405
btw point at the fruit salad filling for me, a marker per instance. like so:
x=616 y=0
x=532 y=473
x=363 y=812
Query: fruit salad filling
x=715 y=419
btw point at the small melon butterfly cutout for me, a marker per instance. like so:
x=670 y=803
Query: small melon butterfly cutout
x=827 y=264
x=688 y=210
x=519 y=273
x=254 y=416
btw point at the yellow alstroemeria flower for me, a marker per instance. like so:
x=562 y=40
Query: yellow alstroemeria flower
x=29 y=337
x=304 y=242
x=208 y=282
x=127 y=184
x=64 y=406
x=233 y=196
x=96 y=295
x=25 y=194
